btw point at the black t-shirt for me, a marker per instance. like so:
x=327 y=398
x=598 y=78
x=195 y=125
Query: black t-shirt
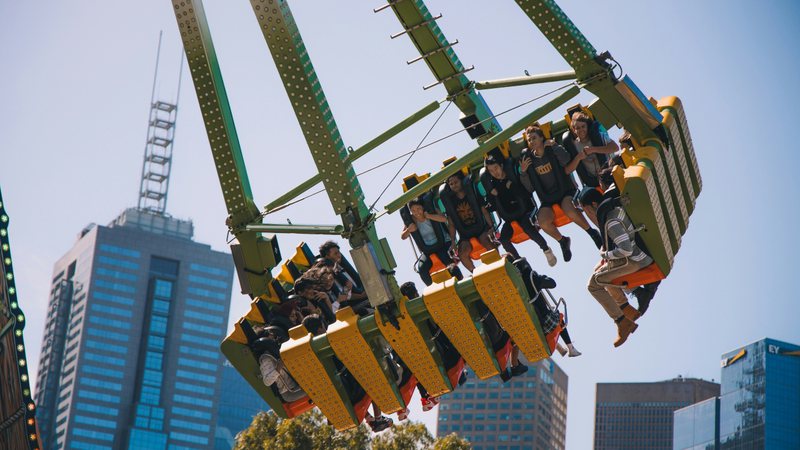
x=466 y=214
x=511 y=195
x=544 y=170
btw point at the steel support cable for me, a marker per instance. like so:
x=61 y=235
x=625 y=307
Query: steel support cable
x=410 y=155
x=422 y=147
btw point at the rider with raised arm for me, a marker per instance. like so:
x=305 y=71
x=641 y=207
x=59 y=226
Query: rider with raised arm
x=427 y=228
x=542 y=170
x=513 y=203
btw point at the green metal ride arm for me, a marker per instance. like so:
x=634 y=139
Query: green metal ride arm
x=620 y=98
x=258 y=253
x=438 y=54
x=371 y=256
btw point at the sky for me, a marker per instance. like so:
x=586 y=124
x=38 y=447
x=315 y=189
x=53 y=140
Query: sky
x=76 y=86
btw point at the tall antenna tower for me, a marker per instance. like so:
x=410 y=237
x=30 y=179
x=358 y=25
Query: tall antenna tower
x=157 y=162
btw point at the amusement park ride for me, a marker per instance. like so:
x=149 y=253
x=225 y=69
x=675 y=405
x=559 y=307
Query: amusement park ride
x=659 y=187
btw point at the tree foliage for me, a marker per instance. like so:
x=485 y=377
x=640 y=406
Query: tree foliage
x=311 y=431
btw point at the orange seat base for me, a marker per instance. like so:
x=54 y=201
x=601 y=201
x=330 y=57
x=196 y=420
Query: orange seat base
x=649 y=274
x=454 y=373
x=560 y=218
x=437 y=263
x=504 y=355
x=298 y=407
x=552 y=337
x=519 y=235
x=477 y=249
x=361 y=407
x=407 y=390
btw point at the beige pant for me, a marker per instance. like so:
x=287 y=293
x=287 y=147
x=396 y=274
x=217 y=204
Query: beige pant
x=610 y=297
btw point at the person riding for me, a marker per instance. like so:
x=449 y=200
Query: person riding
x=513 y=203
x=543 y=171
x=620 y=255
x=466 y=215
x=343 y=271
x=272 y=370
x=588 y=144
x=427 y=228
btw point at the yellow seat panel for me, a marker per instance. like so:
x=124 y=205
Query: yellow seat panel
x=356 y=354
x=309 y=372
x=513 y=312
x=452 y=316
x=410 y=344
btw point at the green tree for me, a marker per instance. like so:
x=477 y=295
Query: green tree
x=311 y=431
x=405 y=436
x=451 y=442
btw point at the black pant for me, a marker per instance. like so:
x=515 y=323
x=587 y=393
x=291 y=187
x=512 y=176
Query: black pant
x=425 y=264
x=507 y=232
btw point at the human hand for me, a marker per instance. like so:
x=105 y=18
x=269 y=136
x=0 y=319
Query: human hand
x=524 y=163
x=412 y=228
x=581 y=155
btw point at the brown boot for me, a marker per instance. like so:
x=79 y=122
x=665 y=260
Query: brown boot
x=624 y=328
x=631 y=313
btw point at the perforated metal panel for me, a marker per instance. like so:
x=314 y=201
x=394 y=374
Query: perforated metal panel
x=644 y=208
x=309 y=372
x=356 y=354
x=215 y=108
x=309 y=103
x=675 y=105
x=512 y=310
x=449 y=312
x=562 y=33
x=414 y=350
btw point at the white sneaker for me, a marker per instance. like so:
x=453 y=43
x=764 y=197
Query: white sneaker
x=573 y=352
x=551 y=258
x=561 y=349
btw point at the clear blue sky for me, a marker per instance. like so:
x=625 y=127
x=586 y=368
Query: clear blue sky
x=75 y=89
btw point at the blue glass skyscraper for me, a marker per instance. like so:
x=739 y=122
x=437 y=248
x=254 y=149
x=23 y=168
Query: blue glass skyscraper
x=130 y=356
x=758 y=406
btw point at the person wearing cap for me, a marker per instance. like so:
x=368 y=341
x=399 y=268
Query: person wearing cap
x=513 y=203
x=542 y=170
x=620 y=255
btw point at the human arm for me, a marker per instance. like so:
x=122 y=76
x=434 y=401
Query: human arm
x=607 y=149
x=436 y=217
x=410 y=228
x=451 y=229
x=525 y=163
x=617 y=233
x=563 y=158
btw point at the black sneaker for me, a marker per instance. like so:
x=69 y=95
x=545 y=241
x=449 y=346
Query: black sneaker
x=595 y=235
x=519 y=369
x=380 y=424
x=462 y=378
x=564 y=243
x=505 y=375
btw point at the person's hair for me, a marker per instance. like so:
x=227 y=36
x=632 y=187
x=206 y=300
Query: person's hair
x=415 y=202
x=606 y=176
x=590 y=195
x=326 y=248
x=580 y=116
x=491 y=159
x=304 y=282
x=266 y=344
x=313 y=323
x=534 y=129
x=409 y=289
x=460 y=175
